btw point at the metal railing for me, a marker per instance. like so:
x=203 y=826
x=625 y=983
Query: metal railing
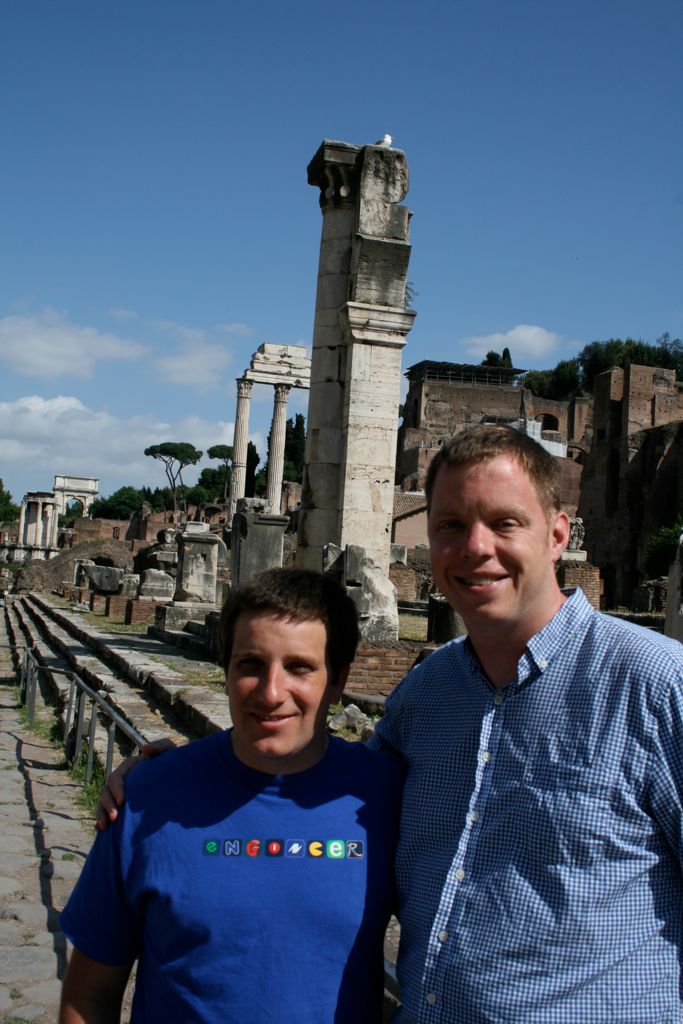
x=79 y=695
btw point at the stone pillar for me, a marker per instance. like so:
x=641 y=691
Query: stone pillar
x=47 y=532
x=55 y=527
x=257 y=541
x=22 y=523
x=361 y=323
x=38 y=527
x=276 y=456
x=240 y=444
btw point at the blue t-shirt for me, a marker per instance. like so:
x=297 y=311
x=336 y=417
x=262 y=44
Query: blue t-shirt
x=246 y=896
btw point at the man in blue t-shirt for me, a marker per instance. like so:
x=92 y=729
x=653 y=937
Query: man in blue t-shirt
x=250 y=874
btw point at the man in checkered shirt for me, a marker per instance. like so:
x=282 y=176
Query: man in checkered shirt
x=539 y=864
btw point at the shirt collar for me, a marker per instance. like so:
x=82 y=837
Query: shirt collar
x=570 y=619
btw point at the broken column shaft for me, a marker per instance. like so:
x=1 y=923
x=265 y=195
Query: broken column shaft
x=361 y=323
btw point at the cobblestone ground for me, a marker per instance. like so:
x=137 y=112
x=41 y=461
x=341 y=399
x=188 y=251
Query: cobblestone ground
x=43 y=842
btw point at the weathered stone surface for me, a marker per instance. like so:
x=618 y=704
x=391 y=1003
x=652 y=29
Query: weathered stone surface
x=374 y=595
x=197 y=565
x=157 y=584
x=257 y=543
x=129 y=584
x=355 y=370
x=177 y=614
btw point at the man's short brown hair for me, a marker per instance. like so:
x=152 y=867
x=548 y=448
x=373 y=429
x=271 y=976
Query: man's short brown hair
x=489 y=441
x=303 y=596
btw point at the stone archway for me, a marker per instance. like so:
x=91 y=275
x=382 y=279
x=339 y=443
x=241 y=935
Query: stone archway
x=75 y=488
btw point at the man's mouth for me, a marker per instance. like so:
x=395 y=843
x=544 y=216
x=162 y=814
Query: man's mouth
x=479 y=581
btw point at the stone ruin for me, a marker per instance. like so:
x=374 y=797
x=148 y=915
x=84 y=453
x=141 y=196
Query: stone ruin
x=360 y=329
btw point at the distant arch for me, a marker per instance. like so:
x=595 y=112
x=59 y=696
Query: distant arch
x=75 y=488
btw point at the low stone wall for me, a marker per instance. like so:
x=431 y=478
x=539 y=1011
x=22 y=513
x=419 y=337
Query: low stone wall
x=377 y=670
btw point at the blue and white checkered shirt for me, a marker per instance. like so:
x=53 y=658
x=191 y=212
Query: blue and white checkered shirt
x=539 y=865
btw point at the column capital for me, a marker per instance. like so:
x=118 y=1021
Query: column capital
x=333 y=169
x=282 y=392
x=244 y=387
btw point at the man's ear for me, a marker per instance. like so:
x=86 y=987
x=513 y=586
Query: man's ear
x=559 y=534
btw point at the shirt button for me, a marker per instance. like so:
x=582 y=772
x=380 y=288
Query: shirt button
x=498 y=698
x=542 y=663
x=474 y=816
x=431 y=998
x=443 y=936
x=486 y=756
x=460 y=874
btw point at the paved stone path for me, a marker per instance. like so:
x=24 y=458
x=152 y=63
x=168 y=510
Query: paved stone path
x=43 y=842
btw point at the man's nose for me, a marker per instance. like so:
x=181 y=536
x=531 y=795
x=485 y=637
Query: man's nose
x=273 y=684
x=476 y=540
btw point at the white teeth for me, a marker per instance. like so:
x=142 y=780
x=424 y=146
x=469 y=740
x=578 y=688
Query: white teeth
x=479 y=582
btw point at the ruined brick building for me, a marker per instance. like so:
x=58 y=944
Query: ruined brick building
x=445 y=398
x=620 y=455
x=633 y=476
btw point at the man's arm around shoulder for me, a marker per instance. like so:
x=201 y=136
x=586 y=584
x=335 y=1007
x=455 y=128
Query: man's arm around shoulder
x=92 y=992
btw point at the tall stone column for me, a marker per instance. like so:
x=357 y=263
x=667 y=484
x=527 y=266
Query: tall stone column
x=22 y=523
x=53 y=527
x=276 y=456
x=47 y=527
x=38 y=527
x=240 y=444
x=361 y=323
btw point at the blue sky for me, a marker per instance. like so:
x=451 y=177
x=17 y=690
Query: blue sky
x=156 y=225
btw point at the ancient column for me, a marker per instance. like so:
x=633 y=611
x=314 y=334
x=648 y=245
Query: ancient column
x=22 y=523
x=38 y=527
x=53 y=529
x=47 y=531
x=240 y=444
x=276 y=455
x=361 y=323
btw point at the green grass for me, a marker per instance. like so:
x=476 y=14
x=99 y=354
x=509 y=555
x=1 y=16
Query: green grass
x=412 y=627
x=89 y=796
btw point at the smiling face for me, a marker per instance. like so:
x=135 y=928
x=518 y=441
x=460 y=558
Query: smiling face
x=280 y=687
x=494 y=549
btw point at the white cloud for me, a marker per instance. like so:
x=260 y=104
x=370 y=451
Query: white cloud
x=49 y=345
x=197 y=363
x=242 y=329
x=525 y=341
x=43 y=436
x=124 y=315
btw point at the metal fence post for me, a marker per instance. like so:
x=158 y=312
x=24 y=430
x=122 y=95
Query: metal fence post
x=91 y=742
x=78 y=749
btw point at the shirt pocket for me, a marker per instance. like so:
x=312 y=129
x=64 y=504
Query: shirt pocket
x=571 y=813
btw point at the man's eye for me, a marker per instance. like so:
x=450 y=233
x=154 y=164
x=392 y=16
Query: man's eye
x=248 y=664
x=299 y=668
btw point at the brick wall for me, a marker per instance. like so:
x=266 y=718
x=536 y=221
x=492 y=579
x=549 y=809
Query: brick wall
x=584 y=575
x=405 y=581
x=378 y=670
x=115 y=605
x=141 y=611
